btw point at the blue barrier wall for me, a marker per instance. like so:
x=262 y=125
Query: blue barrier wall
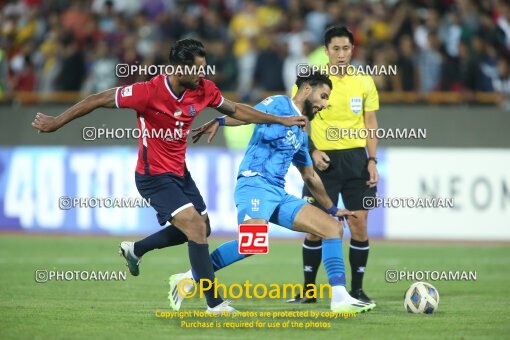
x=32 y=180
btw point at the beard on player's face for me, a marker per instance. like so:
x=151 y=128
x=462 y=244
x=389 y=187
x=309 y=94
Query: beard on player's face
x=190 y=82
x=308 y=109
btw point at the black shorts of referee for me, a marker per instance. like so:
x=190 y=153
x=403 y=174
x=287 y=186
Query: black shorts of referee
x=347 y=174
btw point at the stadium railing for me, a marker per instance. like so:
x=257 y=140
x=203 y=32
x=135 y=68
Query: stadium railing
x=448 y=98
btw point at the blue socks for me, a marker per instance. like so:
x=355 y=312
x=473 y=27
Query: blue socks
x=224 y=255
x=332 y=257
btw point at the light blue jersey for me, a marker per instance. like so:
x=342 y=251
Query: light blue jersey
x=260 y=193
x=260 y=184
x=273 y=147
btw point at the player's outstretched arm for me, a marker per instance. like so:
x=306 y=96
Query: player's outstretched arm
x=45 y=123
x=250 y=115
x=211 y=128
x=316 y=187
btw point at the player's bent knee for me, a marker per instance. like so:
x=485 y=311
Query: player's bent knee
x=359 y=220
x=207 y=226
x=358 y=226
x=197 y=232
x=332 y=230
x=191 y=224
x=312 y=237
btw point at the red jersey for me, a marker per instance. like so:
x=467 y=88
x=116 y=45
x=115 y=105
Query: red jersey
x=165 y=120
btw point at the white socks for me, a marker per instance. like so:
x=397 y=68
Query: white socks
x=339 y=294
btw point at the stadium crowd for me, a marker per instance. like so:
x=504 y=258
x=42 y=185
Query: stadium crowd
x=437 y=45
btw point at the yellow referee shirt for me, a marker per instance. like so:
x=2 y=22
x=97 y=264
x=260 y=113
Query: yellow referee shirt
x=334 y=128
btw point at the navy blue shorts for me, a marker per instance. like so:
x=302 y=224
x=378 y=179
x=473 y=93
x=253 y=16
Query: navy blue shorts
x=169 y=194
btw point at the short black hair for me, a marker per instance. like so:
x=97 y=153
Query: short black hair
x=184 y=52
x=314 y=79
x=337 y=31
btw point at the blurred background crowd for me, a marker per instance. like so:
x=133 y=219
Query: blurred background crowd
x=437 y=45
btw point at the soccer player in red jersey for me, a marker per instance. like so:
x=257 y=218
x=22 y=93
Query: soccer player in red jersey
x=171 y=103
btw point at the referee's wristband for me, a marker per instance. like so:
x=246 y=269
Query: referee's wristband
x=221 y=120
x=332 y=211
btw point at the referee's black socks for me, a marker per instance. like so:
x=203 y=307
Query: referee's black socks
x=358 y=256
x=312 y=256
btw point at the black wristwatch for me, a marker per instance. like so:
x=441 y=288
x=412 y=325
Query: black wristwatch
x=372 y=159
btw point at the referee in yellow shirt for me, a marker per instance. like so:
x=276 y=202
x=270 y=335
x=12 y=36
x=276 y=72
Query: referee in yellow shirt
x=346 y=163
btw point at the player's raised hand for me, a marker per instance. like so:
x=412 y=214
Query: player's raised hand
x=210 y=128
x=45 y=123
x=294 y=120
x=344 y=212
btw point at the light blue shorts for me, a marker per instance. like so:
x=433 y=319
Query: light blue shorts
x=255 y=197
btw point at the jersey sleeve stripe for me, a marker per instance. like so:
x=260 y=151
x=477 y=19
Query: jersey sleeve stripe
x=116 y=98
x=221 y=103
x=144 y=138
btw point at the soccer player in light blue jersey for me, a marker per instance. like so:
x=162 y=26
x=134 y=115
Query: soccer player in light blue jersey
x=260 y=196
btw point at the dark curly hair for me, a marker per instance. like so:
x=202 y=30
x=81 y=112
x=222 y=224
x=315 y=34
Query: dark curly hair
x=184 y=52
x=314 y=79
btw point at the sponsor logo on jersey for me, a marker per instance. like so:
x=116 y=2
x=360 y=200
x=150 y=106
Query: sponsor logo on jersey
x=192 y=110
x=127 y=91
x=255 y=204
x=267 y=101
x=292 y=139
x=356 y=104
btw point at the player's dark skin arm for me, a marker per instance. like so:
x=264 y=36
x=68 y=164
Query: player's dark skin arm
x=316 y=187
x=248 y=114
x=45 y=123
x=239 y=114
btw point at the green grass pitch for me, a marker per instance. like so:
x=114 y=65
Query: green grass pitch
x=126 y=309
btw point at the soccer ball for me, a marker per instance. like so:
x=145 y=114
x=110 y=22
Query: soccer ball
x=421 y=298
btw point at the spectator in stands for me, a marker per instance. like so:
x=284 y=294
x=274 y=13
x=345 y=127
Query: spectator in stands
x=429 y=63
x=219 y=55
x=72 y=71
x=429 y=24
x=450 y=34
x=101 y=75
x=26 y=79
x=317 y=20
x=299 y=43
x=50 y=62
x=502 y=83
x=212 y=27
x=268 y=68
x=245 y=27
x=406 y=65
x=76 y=19
x=503 y=22
x=153 y=8
x=463 y=33
x=3 y=73
x=107 y=22
x=488 y=67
